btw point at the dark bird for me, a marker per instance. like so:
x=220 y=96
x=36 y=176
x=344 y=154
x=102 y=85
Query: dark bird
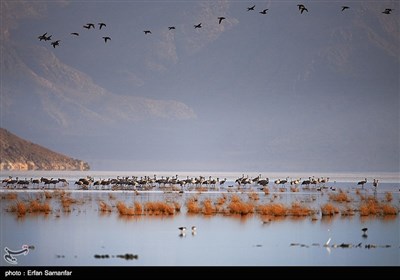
x=375 y=183
x=171 y=27
x=43 y=37
x=303 y=9
x=197 y=25
x=55 y=43
x=364 y=230
x=362 y=182
x=147 y=32
x=101 y=24
x=220 y=19
x=89 y=25
x=251 y=8
x=264 y=12
x=387 y=11
x=344 y=8
x=301 y=6
x=182 y=229
x=106 y=38
x=75 y=33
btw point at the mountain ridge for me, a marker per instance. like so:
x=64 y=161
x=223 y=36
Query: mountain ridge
x=19 y=154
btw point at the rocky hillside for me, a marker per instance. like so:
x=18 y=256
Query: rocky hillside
x=19 y=154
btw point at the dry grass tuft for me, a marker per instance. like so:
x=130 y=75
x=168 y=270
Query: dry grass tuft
x=328 y=209
x=266 y=190
x=36 y=206
x=104 y=207
x=48 y=195
x=159 y=208
x=299 y=210
x=193 y=206
x=339 y=197
x=273 y=209
x=254 y=196
x=208 y=208
x=388 y=196
x=388 y=209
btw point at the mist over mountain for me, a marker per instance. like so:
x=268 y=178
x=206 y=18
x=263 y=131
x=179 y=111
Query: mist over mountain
x=285 y=91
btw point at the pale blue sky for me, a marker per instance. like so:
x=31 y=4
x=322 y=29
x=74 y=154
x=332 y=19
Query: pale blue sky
x=284 y=91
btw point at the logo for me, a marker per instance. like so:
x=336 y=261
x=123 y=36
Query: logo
x=9 y=255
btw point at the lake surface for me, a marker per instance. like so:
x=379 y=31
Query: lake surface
x=82 y=235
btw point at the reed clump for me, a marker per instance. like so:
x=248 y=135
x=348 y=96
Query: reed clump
x=339 y=197
x=266 y=190
x=237 y=206
x=388 y=196
x=35 y=206
x=328 y=209
x=159 y=208
x=388 y=209
x=104 y=207
x=11 y=196
x=299 y=210
x=48 y=194
x=193 y=206
x=123 y=209
x=208 y=207
x=272 y=209
x=253 y=196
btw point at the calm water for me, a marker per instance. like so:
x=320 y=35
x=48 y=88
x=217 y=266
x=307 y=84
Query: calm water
x=73 y=238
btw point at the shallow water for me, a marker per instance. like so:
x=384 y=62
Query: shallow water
x=73 y=238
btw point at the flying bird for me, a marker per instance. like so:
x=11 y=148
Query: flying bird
x=44 y=37
x=106 y=38
x=55 y=43
x=75 y=33
x=171 y=27
x=302 y=9
x=264 y=12
x=147 y=32
x=344 y=8
x=251 y=8
x=220 y=19
x=89 y=25
x=387 y=11
x=197 y=25
x=101 y=24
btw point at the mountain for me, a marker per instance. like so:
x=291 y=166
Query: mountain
x=19 y=154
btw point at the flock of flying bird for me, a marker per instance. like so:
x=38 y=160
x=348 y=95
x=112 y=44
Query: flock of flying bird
x=302 y=8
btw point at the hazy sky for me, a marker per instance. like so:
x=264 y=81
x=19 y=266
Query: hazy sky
x=281 y=91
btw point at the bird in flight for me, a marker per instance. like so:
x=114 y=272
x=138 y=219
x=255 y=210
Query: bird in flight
x=345 y=7
x=264 y=12
x=106 y=38
x=101 y=24
x=220 y=19
x=251 y=8
x=147 y=32
x=44 y=37
x=89 y=25
x=387 y=11
x=55 y=43
x=75 y=33
x=197 y=25
x=302 y=8
x=171 y=27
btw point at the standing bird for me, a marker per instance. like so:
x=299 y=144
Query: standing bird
x=197 y=25
x=264 y=12
x=106 y=38
x=251 y=8
x=375 y=183
x=220 y=19
x=194 y=230
x=364 y=230
x=101 y=24
x=362 y=182
x=344 y=8
x=55 y=43
x=75 y=33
